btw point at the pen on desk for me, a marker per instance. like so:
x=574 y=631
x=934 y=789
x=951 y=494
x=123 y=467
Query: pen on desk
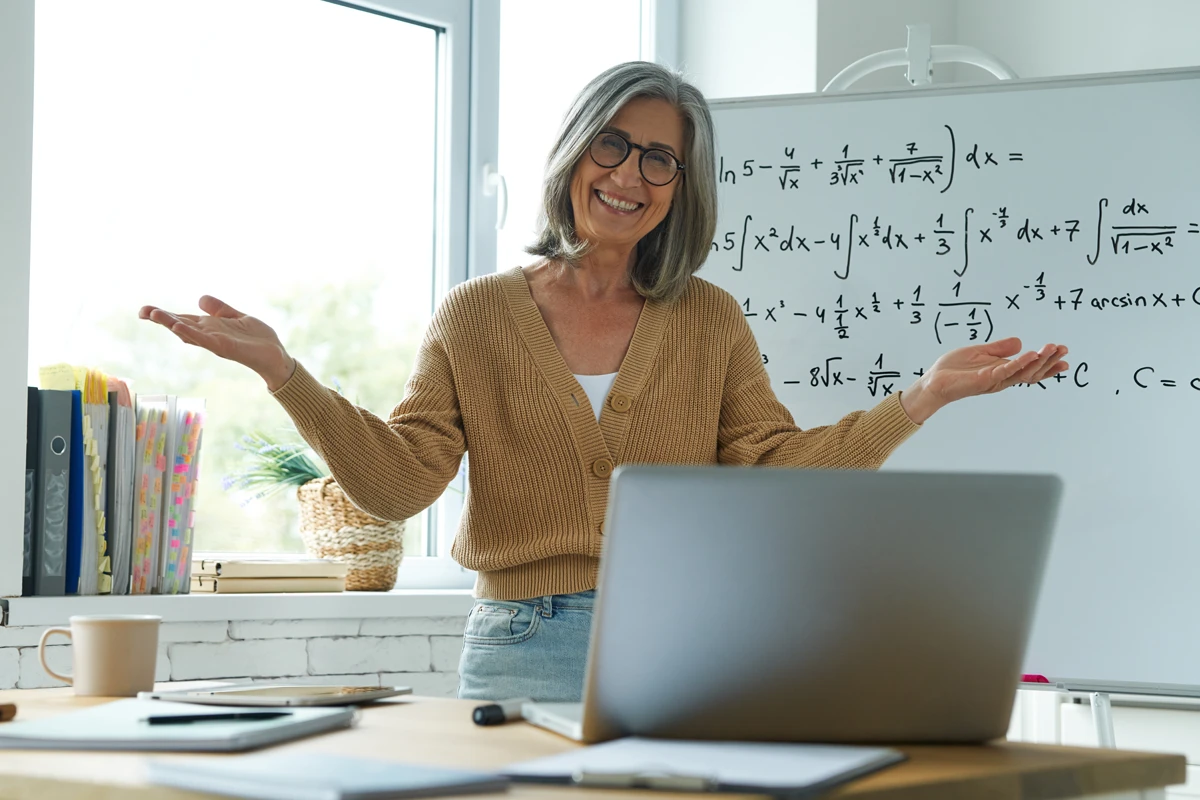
x=183 y=719
x=498 y=713
x=7 y=711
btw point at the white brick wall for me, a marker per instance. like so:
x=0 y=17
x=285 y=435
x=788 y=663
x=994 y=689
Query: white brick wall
x=409 y=626
x=170 y=632
x=432 y=684
x=445 y=651
x=21 y=637
x=254 y=659
x=10 y=667
x=33 y=676
x=292 y=628
x=368 y=654
x=421 y=652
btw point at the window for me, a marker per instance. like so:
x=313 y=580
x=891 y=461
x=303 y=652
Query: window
x=548 y=52
x=275 y=154
x=306 y=161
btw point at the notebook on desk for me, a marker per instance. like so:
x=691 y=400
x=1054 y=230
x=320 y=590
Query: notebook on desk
x=125 y=725
x=780 y=770
x=814 y=606
x=319 y=776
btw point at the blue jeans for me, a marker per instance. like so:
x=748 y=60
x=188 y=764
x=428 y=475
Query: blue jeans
x=533 y=648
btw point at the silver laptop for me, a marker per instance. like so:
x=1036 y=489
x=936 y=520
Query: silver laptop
x=802 y=605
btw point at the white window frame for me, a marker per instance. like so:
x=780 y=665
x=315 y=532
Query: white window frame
x=467 y=114
x=660 y=32
x=16 y=171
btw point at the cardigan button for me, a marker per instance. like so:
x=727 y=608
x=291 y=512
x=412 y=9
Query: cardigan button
x=620 y=403
x=602 y=468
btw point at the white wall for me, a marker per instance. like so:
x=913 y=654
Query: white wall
x=847 y=30
x=534 y=33
x=16 y=166
x=1065 y=37
x=756 y=47
x=749 y=47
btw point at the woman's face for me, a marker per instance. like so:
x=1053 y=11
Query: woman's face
x=615 y=206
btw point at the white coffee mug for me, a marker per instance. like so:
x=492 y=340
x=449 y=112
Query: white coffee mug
x=113 y=655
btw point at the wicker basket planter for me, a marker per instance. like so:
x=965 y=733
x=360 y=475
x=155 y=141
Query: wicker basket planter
x=332 y=527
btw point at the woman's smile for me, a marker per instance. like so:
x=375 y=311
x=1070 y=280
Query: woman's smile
x=617 y=204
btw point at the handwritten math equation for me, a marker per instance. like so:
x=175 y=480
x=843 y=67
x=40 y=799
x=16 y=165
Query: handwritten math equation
x=1127 y=233
x=907 y=164
x=880 y=380
x=957 y=319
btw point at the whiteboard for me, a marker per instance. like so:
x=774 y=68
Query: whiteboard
x=866 y=234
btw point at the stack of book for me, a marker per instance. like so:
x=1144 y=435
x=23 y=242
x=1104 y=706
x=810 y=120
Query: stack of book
x=238 y=575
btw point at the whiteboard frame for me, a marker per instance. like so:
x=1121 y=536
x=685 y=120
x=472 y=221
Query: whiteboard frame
x=1058 y=684
x=1015 y=85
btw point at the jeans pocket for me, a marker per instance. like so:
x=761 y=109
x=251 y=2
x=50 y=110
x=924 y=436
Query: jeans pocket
x=500 y=622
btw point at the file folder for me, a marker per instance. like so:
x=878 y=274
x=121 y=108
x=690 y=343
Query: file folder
x=53 y=492
x=75 y=492
x=32 y=406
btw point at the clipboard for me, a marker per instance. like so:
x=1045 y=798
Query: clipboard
x=787 y=770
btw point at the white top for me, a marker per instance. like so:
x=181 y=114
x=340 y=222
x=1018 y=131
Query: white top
x=597 y=388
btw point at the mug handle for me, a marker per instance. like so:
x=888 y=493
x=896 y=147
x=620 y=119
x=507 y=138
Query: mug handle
x=46 y=634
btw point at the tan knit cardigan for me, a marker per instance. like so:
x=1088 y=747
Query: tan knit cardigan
x=489 y=378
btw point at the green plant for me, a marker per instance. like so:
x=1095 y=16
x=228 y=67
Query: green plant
x=274 y=466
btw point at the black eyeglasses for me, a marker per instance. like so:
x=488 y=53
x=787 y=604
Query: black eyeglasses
x=658 y=167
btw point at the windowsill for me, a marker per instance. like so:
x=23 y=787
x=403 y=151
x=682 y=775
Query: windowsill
x=30 y=611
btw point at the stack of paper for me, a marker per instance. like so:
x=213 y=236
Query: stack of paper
x=225 y=575
x=167 y=452
x=179 y=520
x=122 y=437
x=151 y=448
x=95 y=575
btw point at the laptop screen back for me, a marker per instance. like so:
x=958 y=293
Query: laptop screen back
x=802 y=605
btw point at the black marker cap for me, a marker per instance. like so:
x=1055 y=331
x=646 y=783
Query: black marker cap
x=488 y=715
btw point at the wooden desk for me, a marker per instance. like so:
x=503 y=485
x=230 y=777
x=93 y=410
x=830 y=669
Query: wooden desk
x=437 y=731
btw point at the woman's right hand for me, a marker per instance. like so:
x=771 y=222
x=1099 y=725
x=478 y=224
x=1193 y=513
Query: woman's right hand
x=229 y=333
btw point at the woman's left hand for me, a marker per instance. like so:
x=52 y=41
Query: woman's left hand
x=980 y=369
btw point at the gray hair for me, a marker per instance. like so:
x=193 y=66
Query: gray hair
x=668 y=255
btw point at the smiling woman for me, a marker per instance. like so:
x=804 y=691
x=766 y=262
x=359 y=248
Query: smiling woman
x=645 y=113
x=612 y=303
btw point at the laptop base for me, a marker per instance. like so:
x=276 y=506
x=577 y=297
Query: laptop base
x=565 y=719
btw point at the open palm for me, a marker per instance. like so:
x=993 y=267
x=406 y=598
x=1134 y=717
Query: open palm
x=986 y=368
x=230 y=334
